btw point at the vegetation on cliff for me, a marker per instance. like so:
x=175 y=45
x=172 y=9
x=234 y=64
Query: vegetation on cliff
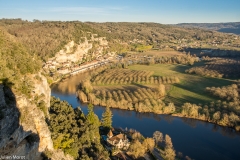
x=75 y=133
x=16 y=63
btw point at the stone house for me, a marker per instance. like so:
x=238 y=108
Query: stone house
x=120 y=141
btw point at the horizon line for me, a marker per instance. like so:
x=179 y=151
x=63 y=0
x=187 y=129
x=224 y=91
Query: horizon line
x=117 y=21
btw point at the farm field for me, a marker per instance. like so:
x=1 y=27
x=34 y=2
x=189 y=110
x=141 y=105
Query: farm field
x=191 y=87
x=164 y=88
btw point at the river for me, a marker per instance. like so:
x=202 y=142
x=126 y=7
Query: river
x=199 y=140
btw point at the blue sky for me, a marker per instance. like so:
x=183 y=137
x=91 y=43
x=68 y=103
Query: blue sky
x=160 y=11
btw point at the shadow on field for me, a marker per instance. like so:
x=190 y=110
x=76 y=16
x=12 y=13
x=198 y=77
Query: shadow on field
x=191 y=87
x=181 y=68
x=185 y=94
x=186 y=99
x=177 y=101
x=211 y=52
x=134 y=87
x=140 y=85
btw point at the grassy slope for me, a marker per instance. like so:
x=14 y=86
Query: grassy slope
x=190 y=89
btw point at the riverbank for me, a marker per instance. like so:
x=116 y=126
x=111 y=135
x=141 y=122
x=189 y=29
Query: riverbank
x=236 y=128
x=188 y=135
x=153 y=88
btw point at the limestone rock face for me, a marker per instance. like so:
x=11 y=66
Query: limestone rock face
x=33 y=120
x=14 y=140
x=23 y=129
x=66 y=55
x=41 y=87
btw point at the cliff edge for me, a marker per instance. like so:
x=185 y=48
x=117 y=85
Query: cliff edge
x=24 y=132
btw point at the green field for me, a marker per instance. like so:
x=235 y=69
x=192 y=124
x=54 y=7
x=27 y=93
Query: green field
x=191 y=87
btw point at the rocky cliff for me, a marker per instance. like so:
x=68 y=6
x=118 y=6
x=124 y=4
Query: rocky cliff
x=23 y=129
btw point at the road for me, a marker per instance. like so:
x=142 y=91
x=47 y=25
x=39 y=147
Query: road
x=89 y=66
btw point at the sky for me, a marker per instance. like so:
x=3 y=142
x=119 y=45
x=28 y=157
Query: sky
x=158 y=11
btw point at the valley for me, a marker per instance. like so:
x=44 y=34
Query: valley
x=130 y=75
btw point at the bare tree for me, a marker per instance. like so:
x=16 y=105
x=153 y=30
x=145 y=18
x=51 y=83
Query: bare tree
x=158 y=137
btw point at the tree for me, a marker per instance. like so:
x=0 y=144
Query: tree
x=82 y=96
x=161 y=90
x=169 y=152
x=191 y=61
x=91 y=117
x=136 y=149
x=158 y=137
x=233 y=118
x=107 y=118
x=136 y=135
x=87 y=86
x=216 y=116
x=169 y=109
x=149 y=144
x=168 y=141
x=93 y=124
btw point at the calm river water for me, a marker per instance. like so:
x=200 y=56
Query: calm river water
x=199 y=140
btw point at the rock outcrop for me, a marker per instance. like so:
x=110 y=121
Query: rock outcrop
x=23 y=129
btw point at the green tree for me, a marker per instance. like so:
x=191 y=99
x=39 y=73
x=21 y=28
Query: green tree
x=93 y=123
x=107 y=118
x=92 y=118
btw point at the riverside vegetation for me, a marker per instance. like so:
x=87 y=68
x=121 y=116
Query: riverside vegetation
x=147 y=88
x=78 y=135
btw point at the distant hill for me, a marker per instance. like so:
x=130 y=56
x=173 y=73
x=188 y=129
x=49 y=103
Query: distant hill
x=45 y=38
x=231 y=27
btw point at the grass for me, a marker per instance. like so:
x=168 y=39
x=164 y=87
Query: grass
x=191 y=87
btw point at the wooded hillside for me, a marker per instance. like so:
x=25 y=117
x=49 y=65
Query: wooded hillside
x=45 y=38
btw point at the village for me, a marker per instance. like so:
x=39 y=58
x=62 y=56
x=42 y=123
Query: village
x=75 y=58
